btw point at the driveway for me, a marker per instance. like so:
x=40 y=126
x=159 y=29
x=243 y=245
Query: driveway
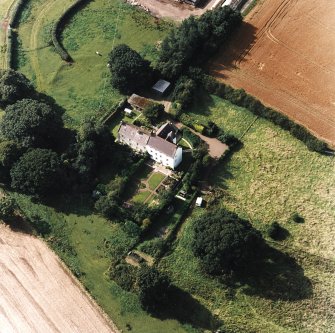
x=215 y=147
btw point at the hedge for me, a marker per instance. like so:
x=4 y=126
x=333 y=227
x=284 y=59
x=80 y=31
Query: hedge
x=58 y=26
x=241 y=98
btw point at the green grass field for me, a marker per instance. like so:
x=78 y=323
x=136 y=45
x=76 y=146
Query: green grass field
x=271 y=177
x=83 y=88
x=155 y=179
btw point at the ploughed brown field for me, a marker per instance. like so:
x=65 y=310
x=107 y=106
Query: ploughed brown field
x=284 y=54
x=37 y=294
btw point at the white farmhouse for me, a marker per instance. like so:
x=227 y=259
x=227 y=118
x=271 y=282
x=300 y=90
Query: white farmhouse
x=159 y=148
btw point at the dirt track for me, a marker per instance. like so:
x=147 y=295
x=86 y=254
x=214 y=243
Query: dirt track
x=37 y=294
x=284 y=54
x=173 y=9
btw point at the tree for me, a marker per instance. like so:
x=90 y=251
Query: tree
x=154 y=288
x=9 y=154
x=107 y=207
x=130 y=72
x=37 y=172
x=195 y=40
x=32 y=124
x=7 y=207
x=153 y=112
x=184 y=92
x=224 y=242
x=14 y=86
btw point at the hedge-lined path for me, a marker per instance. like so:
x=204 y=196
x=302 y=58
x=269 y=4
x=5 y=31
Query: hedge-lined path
x=6 y=7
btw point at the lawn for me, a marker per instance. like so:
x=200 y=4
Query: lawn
x=271 y=177
x=141 y=196
x=155 y=179
x=83 y=88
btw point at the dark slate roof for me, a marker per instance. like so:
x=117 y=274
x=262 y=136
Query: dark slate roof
x=161 y=86
x=134 y=133
x=162 y=146
x=166 y=129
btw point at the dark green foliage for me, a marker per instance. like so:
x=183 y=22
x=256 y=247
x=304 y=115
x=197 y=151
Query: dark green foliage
x=14 y=86
x=184 y=92
x=195 y=40
x=274 y=230
x=40 y=225
x=190 y=137
x=124 y=275
x=130 y=72
x=132 y=229
x=94 y=147
x=224 y=242
x=297 y=218
x=228 y=139
x=153 y=289
x=7 y=207
x=241 y=98
x=212 y=130
x=107 y=207
x=154 y=247
x=32 y=124
x=37 y=172
x=153 y=112
x=10 y=152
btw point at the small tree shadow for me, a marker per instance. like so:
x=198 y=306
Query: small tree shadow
x=187 y=310
x=277 y=277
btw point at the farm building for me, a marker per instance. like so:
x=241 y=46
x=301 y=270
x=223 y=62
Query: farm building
x=138 y=102
x=161 y=87
x=159 y=149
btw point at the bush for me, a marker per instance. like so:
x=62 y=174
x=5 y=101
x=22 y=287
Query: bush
x=124 y=275
x=184 y=92
x=190 y=137
x=107 y=207
x=7 y=207
x=153 y=112
x=153 y=247
x=297 y=218
x=274 y=230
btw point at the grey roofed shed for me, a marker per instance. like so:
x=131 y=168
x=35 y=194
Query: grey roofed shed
x=161 y=86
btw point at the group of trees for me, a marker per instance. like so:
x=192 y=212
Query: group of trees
x=195 y=40
x=38 y=156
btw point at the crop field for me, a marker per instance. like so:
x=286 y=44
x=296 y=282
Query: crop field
x=82 y=88
x=271 y=177
x=284 y=55
x=37 y=292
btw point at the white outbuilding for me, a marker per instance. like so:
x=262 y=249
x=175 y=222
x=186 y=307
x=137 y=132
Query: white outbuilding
x=198 y=202
x=161 y=87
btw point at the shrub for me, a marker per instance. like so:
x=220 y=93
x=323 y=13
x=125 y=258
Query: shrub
x=124 y=275
x=153 y=247
x=153 y=112
x=274 y=230
x=297 y=218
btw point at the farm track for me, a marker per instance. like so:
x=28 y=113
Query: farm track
x=295 y=88
x=4 y=42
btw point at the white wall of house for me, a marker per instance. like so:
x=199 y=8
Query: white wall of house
x=160 y=157
x=178 y=157
x=134 y=145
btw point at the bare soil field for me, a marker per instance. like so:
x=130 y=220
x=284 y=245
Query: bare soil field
x=284 y=54
x=173 y=9
x=38 y=294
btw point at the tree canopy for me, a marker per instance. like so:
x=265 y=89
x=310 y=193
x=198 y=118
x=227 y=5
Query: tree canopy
x=153 y=112
x=130 y=72
x=153 y=288
x=31 y=123
x=37 y=172
x=195 y=40
x=14 y=86
x=224 y=242
x=9 y=154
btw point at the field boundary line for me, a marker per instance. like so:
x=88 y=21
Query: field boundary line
x=248 y=128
